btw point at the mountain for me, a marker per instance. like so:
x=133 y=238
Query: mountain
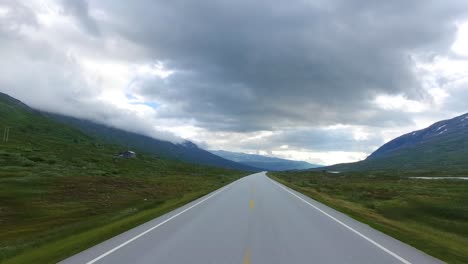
x=446 y=130
x=267 y=163
x=185 y=151
x=443 y=145
x=10 y=102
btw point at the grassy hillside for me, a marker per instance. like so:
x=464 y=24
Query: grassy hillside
x=62 y=191
x=445 y=155
x=441 y=147
x=186 y=151
x=431 y=215
x=451 y=130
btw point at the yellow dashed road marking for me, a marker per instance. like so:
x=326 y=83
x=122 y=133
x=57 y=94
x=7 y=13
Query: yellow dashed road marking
x=247 y=257
x=251 y=203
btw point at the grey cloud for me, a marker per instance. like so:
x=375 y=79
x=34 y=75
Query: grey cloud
x=80 y=10
x=457 y=101
x=17 y=17
x=315 y=140
x=249 y=65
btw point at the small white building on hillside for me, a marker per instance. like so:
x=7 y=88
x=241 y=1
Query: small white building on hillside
x=127 y=154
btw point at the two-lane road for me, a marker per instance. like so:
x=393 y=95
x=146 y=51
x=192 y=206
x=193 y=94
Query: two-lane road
x=253 y=220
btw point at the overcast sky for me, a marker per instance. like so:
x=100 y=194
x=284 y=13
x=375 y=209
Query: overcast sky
x=324 y=81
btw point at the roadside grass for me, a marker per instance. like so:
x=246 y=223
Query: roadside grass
x=62 y=191
x=95 y=231
x=431 y=215
x=48 y=215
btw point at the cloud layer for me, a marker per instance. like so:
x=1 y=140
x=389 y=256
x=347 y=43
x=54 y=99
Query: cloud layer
x=315 y=76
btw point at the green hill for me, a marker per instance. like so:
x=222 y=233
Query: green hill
x=441 y=147
x=62 y=191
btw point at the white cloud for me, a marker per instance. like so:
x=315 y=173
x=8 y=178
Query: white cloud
x=321 y=158
x=157 y=69
x=400 y=103
x=4 y=10
x=460 y=46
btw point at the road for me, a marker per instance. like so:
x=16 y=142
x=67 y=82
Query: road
x=253 y=220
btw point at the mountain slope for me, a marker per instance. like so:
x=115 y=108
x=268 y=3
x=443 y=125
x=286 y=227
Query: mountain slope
x=443 y=145
x=186 y=151
x=268 y=163
x=62 y=191
x=446 y=130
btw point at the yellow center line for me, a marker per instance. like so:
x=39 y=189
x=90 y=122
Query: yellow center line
x=247 y=257
x=251 y=203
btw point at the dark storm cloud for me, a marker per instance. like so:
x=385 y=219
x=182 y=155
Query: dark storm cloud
x=250 y=65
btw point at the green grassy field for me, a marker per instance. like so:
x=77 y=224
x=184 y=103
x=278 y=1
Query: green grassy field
x=62 y=191
x=431 y=215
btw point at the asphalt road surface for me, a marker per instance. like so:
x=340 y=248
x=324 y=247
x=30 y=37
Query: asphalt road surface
x=253 y=220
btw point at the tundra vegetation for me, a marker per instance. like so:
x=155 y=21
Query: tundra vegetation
x=431 y=215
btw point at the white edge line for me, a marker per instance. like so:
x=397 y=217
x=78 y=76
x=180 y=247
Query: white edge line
x=345 y=225
x=152 y=228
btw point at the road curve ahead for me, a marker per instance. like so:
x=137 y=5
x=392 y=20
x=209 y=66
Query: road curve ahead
x=253 y=220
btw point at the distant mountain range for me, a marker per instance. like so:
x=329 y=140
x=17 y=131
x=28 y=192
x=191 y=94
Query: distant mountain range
x=267 y=163
x=186 y=151
x=442 y=145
